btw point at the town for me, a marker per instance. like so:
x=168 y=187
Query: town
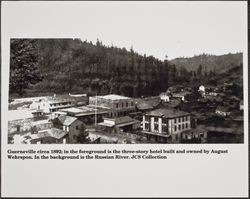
x=180 y=114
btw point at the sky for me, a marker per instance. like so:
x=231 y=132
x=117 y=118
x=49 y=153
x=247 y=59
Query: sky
x=157 y=28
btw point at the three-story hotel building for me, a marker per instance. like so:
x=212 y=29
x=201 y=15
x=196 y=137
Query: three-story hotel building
x=166 y=124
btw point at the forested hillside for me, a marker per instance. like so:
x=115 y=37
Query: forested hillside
x=47 y=66
x=209 y=63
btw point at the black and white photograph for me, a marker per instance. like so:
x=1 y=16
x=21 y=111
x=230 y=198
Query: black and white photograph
x=85 y=92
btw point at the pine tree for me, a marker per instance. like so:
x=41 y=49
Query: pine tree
x=23 y=65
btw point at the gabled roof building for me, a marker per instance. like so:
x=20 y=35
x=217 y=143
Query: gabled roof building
x=71 y=125
x=166 y=123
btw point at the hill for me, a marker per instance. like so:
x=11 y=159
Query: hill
x=218 y=64
x=47 y=66
x=76 y=66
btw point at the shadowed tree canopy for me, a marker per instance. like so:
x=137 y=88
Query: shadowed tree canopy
x=76 y=66
x=23 y=65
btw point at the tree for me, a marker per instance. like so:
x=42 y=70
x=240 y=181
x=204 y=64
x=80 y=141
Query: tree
x=199 y=71
x=83 y=136
x=33 y=130
x=23 y=65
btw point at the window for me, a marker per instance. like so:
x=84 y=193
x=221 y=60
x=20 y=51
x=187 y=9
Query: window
x=155 y=119
x=179 y=127
x=175 y=128
x=165 y=121
x=116 y=105
x=126 y=104
x=156 y=127
x=165 y=129
x=183 y=126
x=146 y=118
x=186 y=125
x=132 y=104
x=77 y=127
x=146 y=126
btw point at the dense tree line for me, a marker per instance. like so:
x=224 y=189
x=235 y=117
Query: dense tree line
x=206 y=63
x=76 y=66
x=23 y=65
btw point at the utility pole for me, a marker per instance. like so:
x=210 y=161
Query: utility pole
x=69 y=81
x=95 y=110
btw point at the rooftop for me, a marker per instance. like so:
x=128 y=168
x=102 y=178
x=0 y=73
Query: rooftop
x=73 y=110
x=66 y=120
x=182 y=93
x=167 y=113
x=148 y=103
x=174 y=103
x=223 y=108
x=57 y=133
x=119 y=121
x=53 y=132
x=18 y=115
x=225 y=130
x=144 y=106
x=41 y=122
x=38 y=135
x=84 y=110
x=113 y=97
x=62 y=98
x=98 y=106
x=124 y=119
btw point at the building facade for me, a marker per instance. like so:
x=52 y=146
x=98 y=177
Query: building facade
x=166 y=122
x=117 y=105
x=165 y=97
x=71 y=125
x=50 y=106
x=120 y=124
x=86 y=114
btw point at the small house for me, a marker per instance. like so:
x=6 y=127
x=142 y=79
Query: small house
x=71 y=125
x=124 y=124
x=183 y=95
x=223 y=111
x=48 y=136
x=165 y=97
x=202 y=90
